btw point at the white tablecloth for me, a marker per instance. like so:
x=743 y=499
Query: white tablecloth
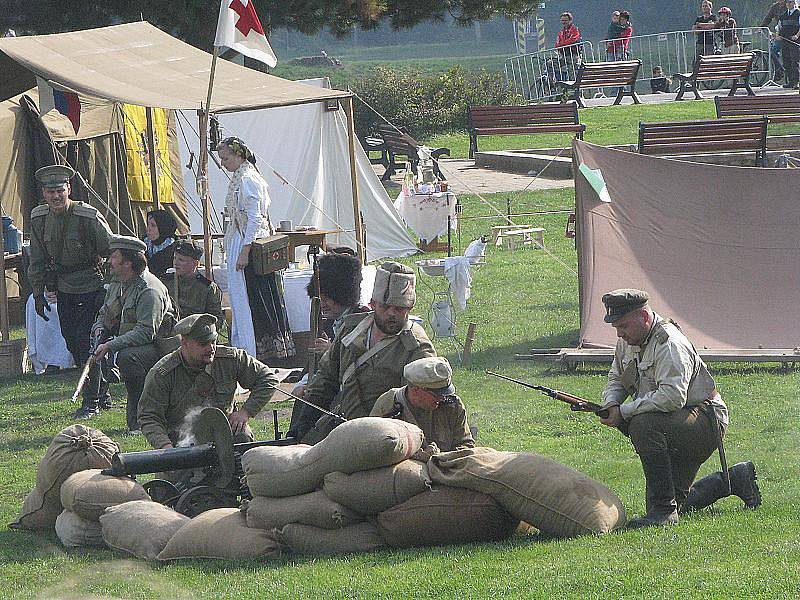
x=426 y=214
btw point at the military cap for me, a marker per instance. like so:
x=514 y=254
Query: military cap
x=201 y=327
x=395 y=284
x=54 y=176
x=189 y=248
x=432 y=373
x=620 y=302
x=126 y=242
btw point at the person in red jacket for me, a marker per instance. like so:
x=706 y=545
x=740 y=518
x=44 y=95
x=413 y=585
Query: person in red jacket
x=569 y=38
x=619 y=36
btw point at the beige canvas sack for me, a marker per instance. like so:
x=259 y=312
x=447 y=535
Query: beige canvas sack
x=309 y=509
x=373 y=491
x=304 y=539
x=140 y=527
x=556 y=499
x=357 y=445
x=89 y=493
x=74 y=531
x=75 y=448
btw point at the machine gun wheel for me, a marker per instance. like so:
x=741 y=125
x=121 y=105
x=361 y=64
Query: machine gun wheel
x=204 y=497
x=162 y=491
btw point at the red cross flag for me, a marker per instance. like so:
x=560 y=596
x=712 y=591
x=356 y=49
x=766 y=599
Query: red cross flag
x=239 y=29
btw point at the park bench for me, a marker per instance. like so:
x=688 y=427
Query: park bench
x=550 y=117
x=781 y=108
x=617 y=74
x=399 y=143
x=718 y=66
x=705 y=137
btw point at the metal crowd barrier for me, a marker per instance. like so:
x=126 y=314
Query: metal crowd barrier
x=535 y=75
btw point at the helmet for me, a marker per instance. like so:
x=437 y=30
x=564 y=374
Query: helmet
x=724 y=9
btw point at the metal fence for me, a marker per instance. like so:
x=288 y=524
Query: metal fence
x=535 y=76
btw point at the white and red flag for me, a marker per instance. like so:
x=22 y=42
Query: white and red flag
x=239 y=29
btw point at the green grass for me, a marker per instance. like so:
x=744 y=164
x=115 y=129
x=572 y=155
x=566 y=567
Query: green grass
x=521 y=299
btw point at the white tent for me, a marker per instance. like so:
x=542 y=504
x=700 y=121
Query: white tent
x=307 y=145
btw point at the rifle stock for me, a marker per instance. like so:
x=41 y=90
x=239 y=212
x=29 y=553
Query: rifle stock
x=312 y=353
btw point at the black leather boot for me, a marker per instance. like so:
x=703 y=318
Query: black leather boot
x=711 y=488
x=662 y=508
x=89 y=408
x=744 y=485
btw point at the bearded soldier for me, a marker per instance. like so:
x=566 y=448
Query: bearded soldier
x=191 y=292
x=367 y=356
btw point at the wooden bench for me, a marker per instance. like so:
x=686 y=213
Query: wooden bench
x=550 y=117
x=605 y=74
x=399 y=143
x=717 y=66
x=781 y=108
x=507 y=233
x=704 y=137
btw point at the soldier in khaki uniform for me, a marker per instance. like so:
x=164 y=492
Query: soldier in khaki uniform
x=191 y=292
x=367 y=356
x=673 y=414
x=69 y=240
x=200 y=374
x=429 y=401
x=137 y=315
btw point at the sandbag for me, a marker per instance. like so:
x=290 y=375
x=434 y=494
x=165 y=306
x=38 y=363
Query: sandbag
x=89 y=493
x=140 y=527
x=305 y=539
x=445 y=515
x=357 y=445
x=309 y=509
x=221 y=533
x=556 y=499
x=75 y=448
x=74 y=531
x=373 y=491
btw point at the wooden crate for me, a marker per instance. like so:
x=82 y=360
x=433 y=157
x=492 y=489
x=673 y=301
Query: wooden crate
x=270 y=254
x=11 y=355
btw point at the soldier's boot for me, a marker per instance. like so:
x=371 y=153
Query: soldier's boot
x=662 y=508
x=89 y=408
x=711 y=488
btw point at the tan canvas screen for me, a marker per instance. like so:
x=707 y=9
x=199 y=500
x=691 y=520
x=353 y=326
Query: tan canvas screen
x=718 y=248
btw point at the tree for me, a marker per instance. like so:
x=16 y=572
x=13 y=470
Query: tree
x=194 y=21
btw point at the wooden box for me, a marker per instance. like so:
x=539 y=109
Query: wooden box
x=270 y=254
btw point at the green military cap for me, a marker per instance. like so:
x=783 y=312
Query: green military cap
x=201 y=327
x=189 y=248
x=620 y=302
x=126 y=242
x=54 y=176
x=432 y=373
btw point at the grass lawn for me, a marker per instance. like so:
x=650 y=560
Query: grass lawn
x=521 y=299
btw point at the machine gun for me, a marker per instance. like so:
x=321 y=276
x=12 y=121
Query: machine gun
x=575 y=402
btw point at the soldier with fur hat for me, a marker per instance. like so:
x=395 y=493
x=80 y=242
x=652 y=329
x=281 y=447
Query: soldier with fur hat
x=367 y=356
x=191 y=292
x=429 y=401
x=198 y=374
x=69 y=240
x=660 y=392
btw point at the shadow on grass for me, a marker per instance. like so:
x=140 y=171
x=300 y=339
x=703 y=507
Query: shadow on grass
x=19 y=444
x=492 y=355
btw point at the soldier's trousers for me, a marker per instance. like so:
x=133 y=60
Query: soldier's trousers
x=134 y=364
x=76 y=314
x=686 y=435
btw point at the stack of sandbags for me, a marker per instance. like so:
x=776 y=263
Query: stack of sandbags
x=74 y=531
x=552 y=497
x=76 y=448
x=140 y=527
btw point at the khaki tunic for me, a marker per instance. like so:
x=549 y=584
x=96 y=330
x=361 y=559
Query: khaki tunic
x=171 y=390
x=355 y=395
x=196 y=294
x=147 y=314
x=446 y=426
x=663 y=375
x=78 y=259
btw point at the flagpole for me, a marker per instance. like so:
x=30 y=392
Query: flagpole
x=202 y=167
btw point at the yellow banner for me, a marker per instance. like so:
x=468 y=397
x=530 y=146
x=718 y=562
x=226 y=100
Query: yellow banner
x=138 y=156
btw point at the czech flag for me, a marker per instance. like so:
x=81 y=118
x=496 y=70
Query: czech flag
x=67 y=103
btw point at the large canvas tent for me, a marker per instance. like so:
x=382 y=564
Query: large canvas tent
x=302 y=153
x=716 y=246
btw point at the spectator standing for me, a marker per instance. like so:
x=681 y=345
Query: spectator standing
x=726 y=26
x=568 y=40
x=703 y=28
x=619 y=35
x=774 y=12
x=789 y=30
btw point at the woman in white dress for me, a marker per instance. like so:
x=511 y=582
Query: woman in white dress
x=260 y=325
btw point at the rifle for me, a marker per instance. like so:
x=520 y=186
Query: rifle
x=90 y=362
x=312 y=354
x=576 y=403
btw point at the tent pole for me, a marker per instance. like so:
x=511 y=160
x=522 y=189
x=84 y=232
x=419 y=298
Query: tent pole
x=202 y=168
x=151 y=156
x=351 y=144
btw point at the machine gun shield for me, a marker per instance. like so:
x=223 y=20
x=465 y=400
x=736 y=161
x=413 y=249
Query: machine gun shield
x=212 y=427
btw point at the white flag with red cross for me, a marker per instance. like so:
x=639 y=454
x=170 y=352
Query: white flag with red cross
x=239 y=29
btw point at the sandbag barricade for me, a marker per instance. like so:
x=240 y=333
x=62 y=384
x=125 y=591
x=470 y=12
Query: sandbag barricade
x=552 y=497
x=305 y=539
x=315 y=509
x=357 y=445
x=89 y=493
x=140 y=527
x=76 y=448
x=73 y=530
